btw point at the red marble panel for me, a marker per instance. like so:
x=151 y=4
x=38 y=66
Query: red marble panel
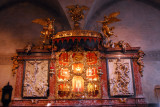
x=19 y=80
x=137 y=79
x=51 y=86
x=99 y=102
x=104 y=80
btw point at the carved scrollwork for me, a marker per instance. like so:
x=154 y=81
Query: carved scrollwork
x=120 y=44
x=123 y=45
x=15 y=64
x=140 y=61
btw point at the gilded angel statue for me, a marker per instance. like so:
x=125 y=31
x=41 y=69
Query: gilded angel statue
x=48 y=27
x=76 y=12
x=107 y=31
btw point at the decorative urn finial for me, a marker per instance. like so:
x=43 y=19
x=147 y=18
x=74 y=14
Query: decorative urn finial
x=76 y=13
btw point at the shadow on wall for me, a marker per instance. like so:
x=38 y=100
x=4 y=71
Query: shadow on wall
x=153 y=105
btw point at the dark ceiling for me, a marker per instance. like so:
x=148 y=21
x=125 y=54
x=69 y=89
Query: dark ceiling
x=54 y=7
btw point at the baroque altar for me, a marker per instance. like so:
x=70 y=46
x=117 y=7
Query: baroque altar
x=78 y=67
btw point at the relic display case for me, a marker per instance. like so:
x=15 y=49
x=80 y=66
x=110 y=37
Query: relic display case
x=78 y=67
x=76 y=74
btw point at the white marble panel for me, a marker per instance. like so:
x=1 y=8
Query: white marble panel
x=36 y=79
x=120 y=77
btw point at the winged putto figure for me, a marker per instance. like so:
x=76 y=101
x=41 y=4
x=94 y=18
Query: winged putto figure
x=107 y=31
x=48 y=27
x=76 y=12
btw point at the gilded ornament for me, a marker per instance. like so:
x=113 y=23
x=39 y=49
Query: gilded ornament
x=100 y=73
x=77 y=57
x=76 y=13
x=78 y=33
x=28 y=47
x=109 y=44
x=140 y=61
x=107 y=31
x=15 y=64
x=122 y=44
x=123 y=100
x=48 y=27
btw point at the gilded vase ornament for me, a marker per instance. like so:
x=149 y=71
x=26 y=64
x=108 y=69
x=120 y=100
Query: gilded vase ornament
x=48 y=27
x=107 y=31
x=76 y=13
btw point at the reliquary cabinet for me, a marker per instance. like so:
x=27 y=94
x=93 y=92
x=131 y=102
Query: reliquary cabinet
x=92 y=77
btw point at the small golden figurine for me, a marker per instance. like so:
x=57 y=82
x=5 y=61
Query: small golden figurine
x=76 y=13
x=107 y=31
x=48 y=27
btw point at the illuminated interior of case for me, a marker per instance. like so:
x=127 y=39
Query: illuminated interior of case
x=77 y=75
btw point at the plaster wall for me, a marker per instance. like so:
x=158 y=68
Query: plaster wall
x=16 y=30
x=139 y=27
